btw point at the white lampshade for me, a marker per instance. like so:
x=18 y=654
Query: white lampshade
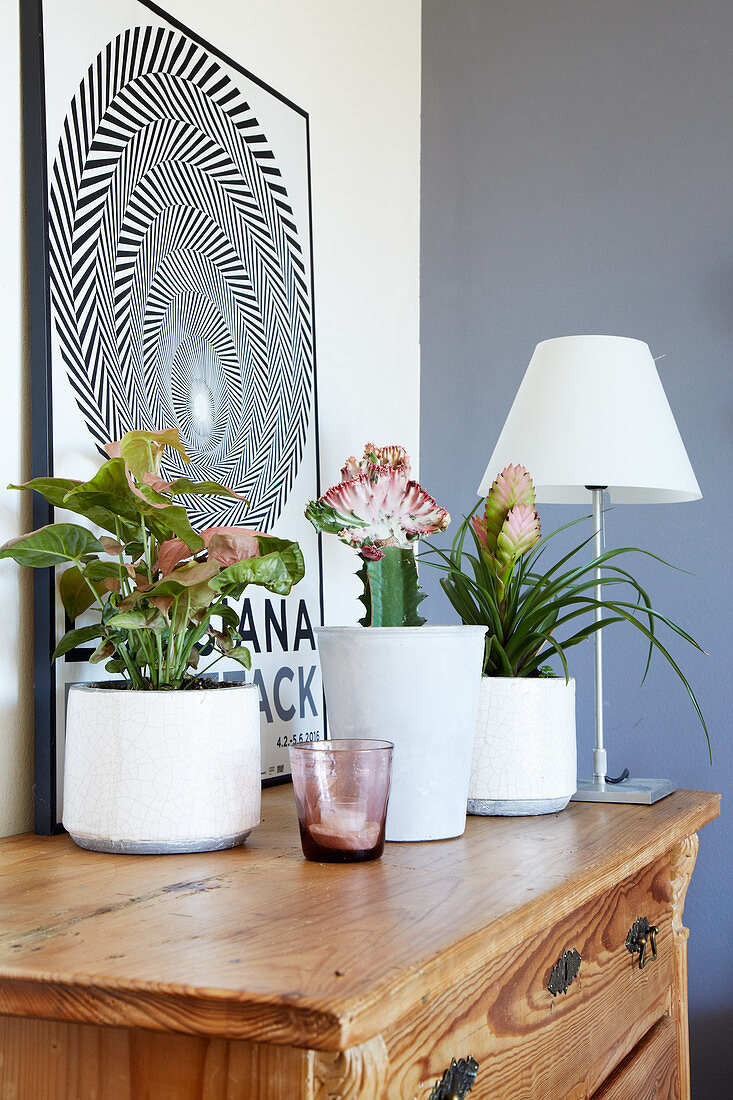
x=591 y=411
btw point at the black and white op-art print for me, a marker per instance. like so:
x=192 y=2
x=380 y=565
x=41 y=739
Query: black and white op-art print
x=177 y=275
x=180 y=277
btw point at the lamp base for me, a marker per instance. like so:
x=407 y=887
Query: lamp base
x=642 y=792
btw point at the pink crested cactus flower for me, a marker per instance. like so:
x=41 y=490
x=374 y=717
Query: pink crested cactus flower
x=376 y=505
x=375 y=459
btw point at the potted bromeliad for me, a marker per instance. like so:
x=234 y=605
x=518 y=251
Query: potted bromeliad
x=156 y=760
x=525 y=755
x=393 y=677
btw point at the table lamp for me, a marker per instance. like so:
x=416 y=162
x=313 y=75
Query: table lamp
x=591 y=417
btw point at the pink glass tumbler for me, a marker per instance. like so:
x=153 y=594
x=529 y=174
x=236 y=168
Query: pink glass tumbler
x=341 y=790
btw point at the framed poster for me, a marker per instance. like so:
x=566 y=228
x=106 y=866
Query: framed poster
x=171 y=285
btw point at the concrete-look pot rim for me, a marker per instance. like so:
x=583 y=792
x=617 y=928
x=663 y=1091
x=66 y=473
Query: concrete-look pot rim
x=554 y=680
x=156 y=693
x=407 y=631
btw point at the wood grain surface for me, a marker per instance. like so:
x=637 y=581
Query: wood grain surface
x=256 y=943
x=682 y=864
x=527 y=1042
x=650 y=1073
x=50 y=1060
x=360 y=1073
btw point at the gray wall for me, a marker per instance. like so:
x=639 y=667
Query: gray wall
x=577 y=170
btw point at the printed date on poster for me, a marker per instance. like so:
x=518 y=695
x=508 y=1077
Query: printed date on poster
x=286 y=742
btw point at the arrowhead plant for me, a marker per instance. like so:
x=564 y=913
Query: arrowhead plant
x=160 y=589
x=379 y=511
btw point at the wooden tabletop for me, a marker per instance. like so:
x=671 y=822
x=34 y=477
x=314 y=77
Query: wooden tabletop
x=257 y=943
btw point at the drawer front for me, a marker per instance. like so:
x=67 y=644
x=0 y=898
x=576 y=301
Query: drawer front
x=650 y=1072
x=529 y=1043
x=55 y=1060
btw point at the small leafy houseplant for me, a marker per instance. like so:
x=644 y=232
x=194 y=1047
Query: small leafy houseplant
x=495 y=574
x=156 y=768
x=160 y=589
x=380 y=512
x=379 y=679
x=535 y=613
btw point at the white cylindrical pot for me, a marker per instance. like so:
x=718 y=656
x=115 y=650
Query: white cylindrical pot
x=417 y=687
x=524 y=757
x=162 y=771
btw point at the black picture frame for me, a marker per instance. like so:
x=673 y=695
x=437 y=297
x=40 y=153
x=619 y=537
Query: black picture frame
x=41 y=396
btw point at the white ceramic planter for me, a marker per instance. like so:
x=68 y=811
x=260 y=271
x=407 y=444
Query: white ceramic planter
x=162 y=771
x=417 y=687
x=524 y=757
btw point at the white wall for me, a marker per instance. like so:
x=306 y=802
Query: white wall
x=356 y=69
x=16 y=707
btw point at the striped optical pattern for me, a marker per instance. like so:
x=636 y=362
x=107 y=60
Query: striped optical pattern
x=180 y=293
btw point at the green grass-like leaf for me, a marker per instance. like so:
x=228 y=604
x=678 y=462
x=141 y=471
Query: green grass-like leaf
x=542 y=611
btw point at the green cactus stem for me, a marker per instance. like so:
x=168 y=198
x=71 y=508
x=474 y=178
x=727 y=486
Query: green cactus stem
x=391 y=593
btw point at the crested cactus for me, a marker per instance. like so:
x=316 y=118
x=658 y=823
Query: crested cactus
x=380 y=512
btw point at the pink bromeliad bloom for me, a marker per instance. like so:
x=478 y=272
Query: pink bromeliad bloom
x=377 y=505
x=510 y=525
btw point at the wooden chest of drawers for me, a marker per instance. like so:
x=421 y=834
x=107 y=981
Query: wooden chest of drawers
x=251 y=974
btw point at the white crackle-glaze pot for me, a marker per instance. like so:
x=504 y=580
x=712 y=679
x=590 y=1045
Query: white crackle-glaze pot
x=161 y=771
x=524 y=756
x=417 y=687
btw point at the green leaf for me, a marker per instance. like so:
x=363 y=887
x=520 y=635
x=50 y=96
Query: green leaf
x=76 y=595
x=173 y=520
x=152 y=496
x=242 y=655
x=543 y=614
x=76 y=637
x=227 y=614
x=52 y=545
x=190 y=586
x=107 y=498
x=141 y=451
x=149 y=618
x=289 y=552
x=183 y=486
x=134 y=550
x=279 y=568
x=53 y=489
x=186 y=579
x=97 y=570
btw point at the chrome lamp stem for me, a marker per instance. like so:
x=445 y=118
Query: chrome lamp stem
x=600 y=762
x=599 y=789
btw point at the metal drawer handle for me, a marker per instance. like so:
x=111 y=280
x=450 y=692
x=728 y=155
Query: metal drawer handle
x=641 y=935
x=457 y=1081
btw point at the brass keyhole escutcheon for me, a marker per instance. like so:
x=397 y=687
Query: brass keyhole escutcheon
x=457 y=1081
x=564 y=972
x=642 y=941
